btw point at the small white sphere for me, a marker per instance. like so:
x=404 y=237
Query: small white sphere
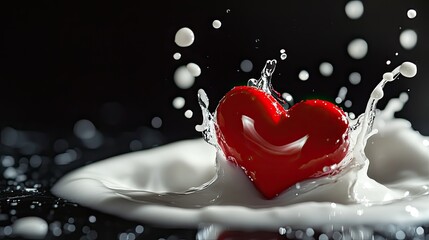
x=326 y=69
x=178 y=102
x=354 y=9
x=358 y=48
x=216 y=24
x=303 y=75
x=183 y=77
x=184 y=37
x=411 y=13
x=194 y=69
x=408 y=39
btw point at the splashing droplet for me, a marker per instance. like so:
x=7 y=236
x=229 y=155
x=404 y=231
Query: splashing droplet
x=184 y=37
x=357 y=48
x=178 y=102
x=156 y=122
x=355 y=78
x=303 y=75
x=411 y=13
x=194 y=69
x=354 y=9
x=189 y=113
x=183 y=77
x=408 y=39
x=177 y=56
x=326 y=69
x=246 y=65
x=216 y=24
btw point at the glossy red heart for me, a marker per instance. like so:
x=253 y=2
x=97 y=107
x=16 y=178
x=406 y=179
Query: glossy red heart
x=277 y=148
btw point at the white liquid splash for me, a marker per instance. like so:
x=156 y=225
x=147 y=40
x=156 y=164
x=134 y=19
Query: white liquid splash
x=190 y=182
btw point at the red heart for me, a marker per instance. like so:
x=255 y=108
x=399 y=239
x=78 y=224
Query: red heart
x=277 y=148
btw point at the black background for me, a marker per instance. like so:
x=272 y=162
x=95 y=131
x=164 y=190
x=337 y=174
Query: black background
x=63 y=61
x=60 y=62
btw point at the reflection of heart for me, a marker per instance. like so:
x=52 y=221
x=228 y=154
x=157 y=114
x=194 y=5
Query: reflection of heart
x=277 y=148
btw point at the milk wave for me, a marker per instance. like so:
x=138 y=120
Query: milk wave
x=189 y=182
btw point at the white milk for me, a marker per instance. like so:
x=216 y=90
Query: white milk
x=189 y=183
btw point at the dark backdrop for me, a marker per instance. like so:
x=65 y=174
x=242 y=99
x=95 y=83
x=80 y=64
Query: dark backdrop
x=112 y=64
x=62 y=61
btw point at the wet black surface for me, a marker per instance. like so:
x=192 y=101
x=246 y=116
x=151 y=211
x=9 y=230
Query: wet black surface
x=111 y=65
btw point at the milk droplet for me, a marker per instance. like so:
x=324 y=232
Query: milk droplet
x=355 y=78
x=408 y=39
x=326 y=69
x=194 y=69
x=348 y=103
x=184 y=37
x=177 y=56
x=246 y=65
x=388 y=62
x=357 y=48
x=189 y=113
x=303 y=75
x=156 y=122
x=178 y=102
x=283 y=54
x=217 y=24
x=183 y=77
x=354 y=9
x=408 y=69
x=411 y=13
x=84 y=129
x=341 y=95
x=30 y=227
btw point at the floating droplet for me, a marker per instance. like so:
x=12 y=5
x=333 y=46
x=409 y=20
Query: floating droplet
x=194 y=69
x=246 y=65
x=178 y=102
x=303 y=75
x=84 y=129
x=184 y=37
x=217 y=24
x=355 y=78
x=357 y=48
x=408 y=39
x=411 y=13
x=326 y=69
x=156 y=122
x=283 y=54
x=354 y=9
x=189 y=113
x=183 y=77
x=177 y=56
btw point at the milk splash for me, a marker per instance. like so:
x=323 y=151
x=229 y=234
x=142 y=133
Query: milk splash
x=350 y=174
x=355 y=165
x=187 y=183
